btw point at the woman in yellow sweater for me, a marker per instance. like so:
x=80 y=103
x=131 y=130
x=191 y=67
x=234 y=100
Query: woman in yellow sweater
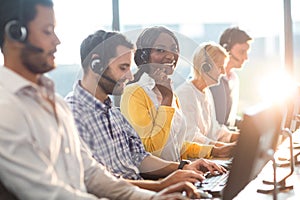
x=150 y=104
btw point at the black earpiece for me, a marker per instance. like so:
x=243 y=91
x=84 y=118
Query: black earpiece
x=96 y=66
x=227 y=45
x=144 y=56
x=16 y=31
x=206 y=65
x=99 y=63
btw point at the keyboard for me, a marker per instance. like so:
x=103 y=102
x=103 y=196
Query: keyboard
x=213 y=184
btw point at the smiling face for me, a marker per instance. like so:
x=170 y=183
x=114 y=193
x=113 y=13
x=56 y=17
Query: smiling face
x=41 y=35
x=164 y=53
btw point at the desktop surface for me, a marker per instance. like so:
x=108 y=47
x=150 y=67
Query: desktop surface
x=250 y=191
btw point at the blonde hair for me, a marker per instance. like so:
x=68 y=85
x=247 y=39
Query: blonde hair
x=207 y=52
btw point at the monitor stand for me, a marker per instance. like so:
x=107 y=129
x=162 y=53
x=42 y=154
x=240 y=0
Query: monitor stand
x=280 y=185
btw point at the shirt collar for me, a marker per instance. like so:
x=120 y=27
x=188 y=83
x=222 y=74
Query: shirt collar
x=15 y=83
x=146 y=82
x=89 y=100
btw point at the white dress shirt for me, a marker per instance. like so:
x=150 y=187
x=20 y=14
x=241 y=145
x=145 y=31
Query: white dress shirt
x=198 y=108
x=41 y=155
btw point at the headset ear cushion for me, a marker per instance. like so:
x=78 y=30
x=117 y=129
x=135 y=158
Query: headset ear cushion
x=141 y=56
x=96 y=66
x=206 y=67
x=16 y=31
x=144 y=57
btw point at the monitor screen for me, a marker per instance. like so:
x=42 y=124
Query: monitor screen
x=259 y=134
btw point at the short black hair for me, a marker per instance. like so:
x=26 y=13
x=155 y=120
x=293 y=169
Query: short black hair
x=104 y=44
x=23 y=11
x=232 y=36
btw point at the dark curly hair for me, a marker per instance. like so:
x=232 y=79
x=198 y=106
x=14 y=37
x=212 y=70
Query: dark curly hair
x=144 y=45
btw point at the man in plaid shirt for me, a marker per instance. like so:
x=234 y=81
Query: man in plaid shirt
x=106 y=60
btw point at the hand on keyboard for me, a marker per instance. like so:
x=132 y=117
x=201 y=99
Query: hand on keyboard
x=213 y=182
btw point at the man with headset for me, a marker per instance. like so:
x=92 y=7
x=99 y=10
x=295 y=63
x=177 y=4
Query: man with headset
x=106 y=60
x=41 y=154
x=226 y=94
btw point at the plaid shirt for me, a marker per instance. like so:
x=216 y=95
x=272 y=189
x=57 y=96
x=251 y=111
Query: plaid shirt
x=111 y=138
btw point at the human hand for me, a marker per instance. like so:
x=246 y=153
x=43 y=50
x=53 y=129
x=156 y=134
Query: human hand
x=174 y=192
x=162 y=81
x=234 y=136
x=223 y=151
x=203 y=165
x=180 y=176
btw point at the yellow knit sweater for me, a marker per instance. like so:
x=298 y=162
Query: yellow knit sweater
x=154 y=125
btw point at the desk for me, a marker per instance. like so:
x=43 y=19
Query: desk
x=249 y=192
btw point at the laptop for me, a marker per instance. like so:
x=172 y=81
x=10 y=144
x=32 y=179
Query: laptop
x=259 y=134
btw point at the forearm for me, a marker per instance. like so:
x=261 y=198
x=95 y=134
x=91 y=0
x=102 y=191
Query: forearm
x=224 y=134
x=155 y=166
x=101 y=183
x=148 y=184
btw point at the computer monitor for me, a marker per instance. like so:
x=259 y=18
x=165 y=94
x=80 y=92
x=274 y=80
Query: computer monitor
x=291 y=115
x=259 y=133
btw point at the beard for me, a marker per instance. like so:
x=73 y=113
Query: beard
x=109 y=87
x=35 y=62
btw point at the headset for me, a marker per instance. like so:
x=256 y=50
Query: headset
x=227 y=45
x=16 y=30
x=144 y=56
x=206 y=66
x=97 y=64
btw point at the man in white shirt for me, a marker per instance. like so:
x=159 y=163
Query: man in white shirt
x=226 y=94
x=41 y=154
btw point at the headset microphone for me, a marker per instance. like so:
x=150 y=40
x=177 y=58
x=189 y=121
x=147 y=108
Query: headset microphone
x=211 y=77
x=109 y=79
x=206 y=65
x=17 y=32
x=33 y=48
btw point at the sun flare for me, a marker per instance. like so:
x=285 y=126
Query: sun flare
x=277 y=87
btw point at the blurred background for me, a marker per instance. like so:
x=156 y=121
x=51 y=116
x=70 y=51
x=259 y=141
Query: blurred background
x=193 y=21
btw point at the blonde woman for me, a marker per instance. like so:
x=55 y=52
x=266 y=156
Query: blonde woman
x=208 y=66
